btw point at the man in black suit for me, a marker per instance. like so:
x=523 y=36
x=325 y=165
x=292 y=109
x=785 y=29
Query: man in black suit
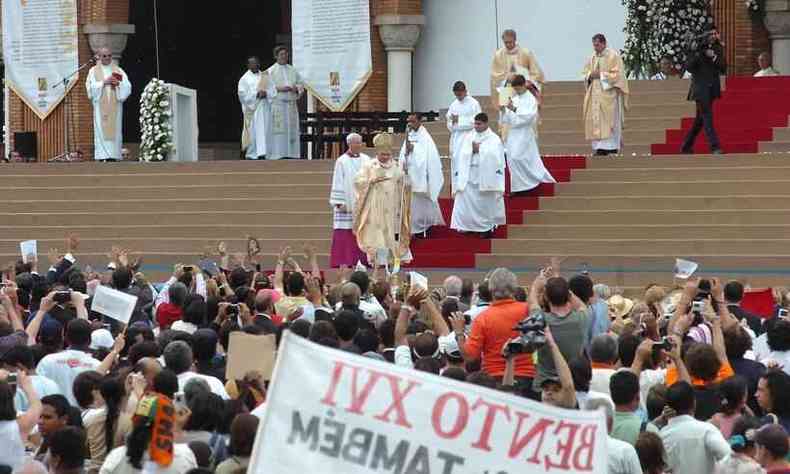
x=733 y=294
x=706 y=63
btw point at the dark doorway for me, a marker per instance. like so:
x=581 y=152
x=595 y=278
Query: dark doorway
x=202 y=46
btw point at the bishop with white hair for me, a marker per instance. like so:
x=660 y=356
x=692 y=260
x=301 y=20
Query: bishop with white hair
x=108 y=88
x=345 y=250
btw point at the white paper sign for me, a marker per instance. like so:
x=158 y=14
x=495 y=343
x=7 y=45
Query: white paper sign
x=331 y=48
x=113 y=303
x=28 y=247
x=39 y=50
x=418 y=280
x=685 y=268
x=355 y=415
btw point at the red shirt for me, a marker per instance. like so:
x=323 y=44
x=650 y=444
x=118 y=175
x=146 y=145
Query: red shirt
x=491 y=330
x=167 y=314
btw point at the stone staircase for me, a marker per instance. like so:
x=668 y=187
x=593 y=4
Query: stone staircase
x=624 y=219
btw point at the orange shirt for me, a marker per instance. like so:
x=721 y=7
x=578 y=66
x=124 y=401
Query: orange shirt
x=491 y=330
x=725 y=372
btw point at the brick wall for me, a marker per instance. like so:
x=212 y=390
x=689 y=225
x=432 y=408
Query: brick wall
x=744 y=38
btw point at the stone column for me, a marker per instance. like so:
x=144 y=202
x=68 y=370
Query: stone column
x=777 y=22
x=111 y=36
x=400 y=34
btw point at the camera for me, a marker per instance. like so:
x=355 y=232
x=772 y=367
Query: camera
x=233 y=310
x=179 y=400
x=11 y=379
x=782 y=313
x=62 y=297
x=188 y=268
x=665 y=344
x=533 y=335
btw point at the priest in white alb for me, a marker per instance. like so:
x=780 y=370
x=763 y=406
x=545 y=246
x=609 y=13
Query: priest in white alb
x=422 y=159
x=606 y=100
x=523 y=156
x=254 y=91
x=382 y=212
x=460 y=123
x=283 y=139
x=108 y=87
x=479 y=202
x=345 y=250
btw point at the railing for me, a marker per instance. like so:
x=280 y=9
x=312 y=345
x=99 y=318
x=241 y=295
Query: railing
x=325 y=132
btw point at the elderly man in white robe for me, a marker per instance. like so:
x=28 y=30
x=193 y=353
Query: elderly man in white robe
x=479 y=202
x=523 y=156
x=108 y=87
x=460 y=123
x=421 y=157
x=283 y=139
x=345 y=250
x=254 y=90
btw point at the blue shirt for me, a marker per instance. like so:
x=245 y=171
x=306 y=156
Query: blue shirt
x=599 y=320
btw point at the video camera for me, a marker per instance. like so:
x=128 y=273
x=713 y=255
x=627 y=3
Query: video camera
x=533 y=335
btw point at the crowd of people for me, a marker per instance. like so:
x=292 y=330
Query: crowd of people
x=689 y=381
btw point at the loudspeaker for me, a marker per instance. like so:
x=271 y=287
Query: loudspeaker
x=26 y=143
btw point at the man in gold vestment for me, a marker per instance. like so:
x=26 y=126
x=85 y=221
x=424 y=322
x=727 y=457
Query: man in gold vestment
x=382 y=212
x=510 y=61
x=607 y=98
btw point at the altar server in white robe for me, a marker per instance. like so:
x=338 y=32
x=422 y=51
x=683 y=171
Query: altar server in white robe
x=479 y=202
x=460 y=123
x=523 y=156
x=421 y=157
x=254 y=91
x=108 y=87
x=283 y=139
x=342 y=197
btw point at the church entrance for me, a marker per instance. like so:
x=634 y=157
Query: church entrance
x=203 y=47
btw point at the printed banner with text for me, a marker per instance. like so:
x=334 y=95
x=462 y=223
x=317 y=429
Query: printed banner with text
x=39 y=50
x=331 y=48
x=332 y=411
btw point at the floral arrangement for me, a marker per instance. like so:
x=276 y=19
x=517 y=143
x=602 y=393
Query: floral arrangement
x=658 y=28
x=157 y=136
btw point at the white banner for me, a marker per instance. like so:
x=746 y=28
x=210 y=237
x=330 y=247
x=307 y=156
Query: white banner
x=331 y=48
x=39 y=50
x=332 y=411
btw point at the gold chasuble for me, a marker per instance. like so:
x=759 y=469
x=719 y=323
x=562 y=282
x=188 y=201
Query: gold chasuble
x=604 y=95
x=108 y=105
x=382 y=213
x=519 y=60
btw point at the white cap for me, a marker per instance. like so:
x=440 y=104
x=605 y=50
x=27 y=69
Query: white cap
x=101 y=339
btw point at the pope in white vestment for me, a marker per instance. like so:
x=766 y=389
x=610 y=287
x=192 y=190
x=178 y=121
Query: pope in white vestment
x=108 y=87
x=254 y=91
x=283 y=139
x=460 y=123
x=523 y=156
x=342 y=198
x=479 y=203
x=420 y=155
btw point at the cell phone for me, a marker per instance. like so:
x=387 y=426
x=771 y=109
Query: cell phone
x=11 y=379
x=62 y=297
x=698 y=306
x=664 y=344
x=189 y=268
x=106 y=326
x=179 y=400
x=233 y=310
x=467 y=319
x=782 y=313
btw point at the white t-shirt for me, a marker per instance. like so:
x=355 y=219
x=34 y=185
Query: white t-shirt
x=213 y=383
x=63 y=367
x=12 y=450
x=782 y=358
x=184 y=326
x=600 y=380
x=622 y=457
x=117 y=462
x=43 y=387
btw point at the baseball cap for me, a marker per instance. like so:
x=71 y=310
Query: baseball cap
x=451 y=350
x=101 y=339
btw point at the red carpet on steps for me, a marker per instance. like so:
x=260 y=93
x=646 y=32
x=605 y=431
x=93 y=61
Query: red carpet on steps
x=447 y=248
x=746 y=114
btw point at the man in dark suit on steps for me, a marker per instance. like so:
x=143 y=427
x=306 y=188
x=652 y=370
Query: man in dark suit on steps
x=706 y=63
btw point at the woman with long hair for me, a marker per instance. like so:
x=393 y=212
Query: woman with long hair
x=734 y=395
x=108 y=426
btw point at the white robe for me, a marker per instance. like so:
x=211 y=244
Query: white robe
x=283 y=139
x=343 y=191
x=259 y=109
x=425 y=174
x=523 y=156
x=466 y=111
x=107 y=147
x=479 y=204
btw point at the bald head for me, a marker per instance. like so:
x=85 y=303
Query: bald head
x=264 y=302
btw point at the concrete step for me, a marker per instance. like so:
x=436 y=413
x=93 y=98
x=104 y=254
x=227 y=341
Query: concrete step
x=648 y=203
x=636 y=87
x=649 y=231
x=312 y=177
x=163 y=217
x=616 y=187
x=658 y=217
x=712 y=264
x=782 y=134
x=211 y=231
x=198 y=203
x=722 y=172
x=647 y=246
x=574 y=123
x=688 y=161
x=775 y=147
x=673 y=109
x=647 y=98
x=554 y=137
x=630 y=149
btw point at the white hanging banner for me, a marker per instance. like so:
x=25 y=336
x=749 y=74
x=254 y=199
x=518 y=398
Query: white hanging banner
x=39 y=50
x=331 y=48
